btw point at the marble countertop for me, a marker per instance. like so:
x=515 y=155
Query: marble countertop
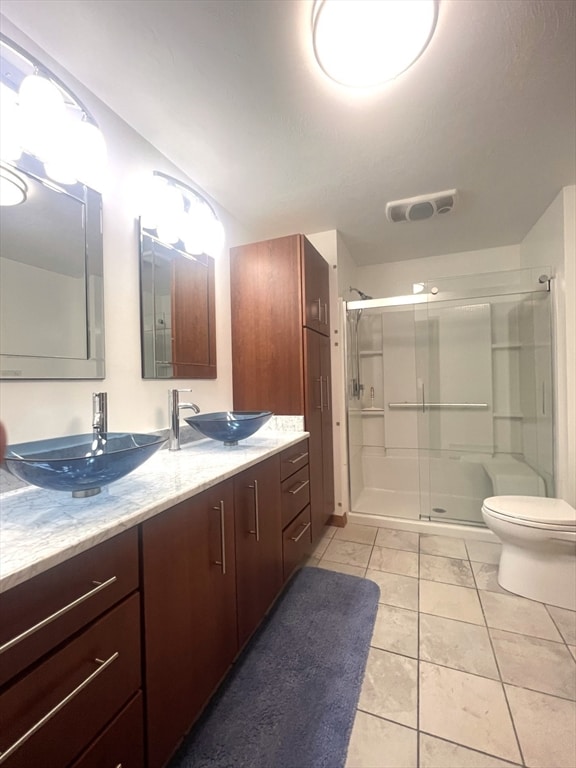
x=40 y=528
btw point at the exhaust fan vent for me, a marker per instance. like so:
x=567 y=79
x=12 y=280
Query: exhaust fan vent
x=422 y=207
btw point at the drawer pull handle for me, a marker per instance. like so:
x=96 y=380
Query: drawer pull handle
x=222 y=561
x=298 y=458
x=61 y=704
x=302 y=532
x=299 y=487
x=100 y=585
x=256 y=530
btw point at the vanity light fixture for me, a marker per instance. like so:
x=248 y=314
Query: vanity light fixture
x=13 y=189
x=181 y=216
x=46 y=122
x=364 y=43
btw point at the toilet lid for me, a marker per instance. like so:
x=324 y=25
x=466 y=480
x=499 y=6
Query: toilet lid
x=535 y=509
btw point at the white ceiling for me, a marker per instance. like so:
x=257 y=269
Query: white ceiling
x=229 y=91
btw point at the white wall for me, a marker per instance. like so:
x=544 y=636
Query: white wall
x=39 y=409
x=552 y=241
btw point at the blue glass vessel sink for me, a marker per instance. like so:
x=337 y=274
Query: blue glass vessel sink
x=80 y=463
x=229 y=426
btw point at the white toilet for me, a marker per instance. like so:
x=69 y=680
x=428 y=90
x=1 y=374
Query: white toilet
x=538 y=537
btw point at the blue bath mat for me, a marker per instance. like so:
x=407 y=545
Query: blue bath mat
x=291 y=697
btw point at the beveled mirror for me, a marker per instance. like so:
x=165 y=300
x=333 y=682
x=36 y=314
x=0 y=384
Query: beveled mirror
x=51 y=262
x=177 y=286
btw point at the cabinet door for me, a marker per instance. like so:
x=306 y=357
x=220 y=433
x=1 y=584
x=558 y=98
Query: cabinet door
x=318 y=417
x=266 y=314
x=189 y=612
x=258 y=543
x=316 y=289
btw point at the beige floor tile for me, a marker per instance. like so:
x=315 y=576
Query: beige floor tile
x=517 y=614
x=329 y=531
x=348 y=552
x=486 y=576
x=530 y=662
x=437 y=753
x=565 y=620
x=450 y=601
x=467 y=709
x=361 y=534
x=312 y=562
x=377 y=743
x=445 y=546
x=390 y=687
x=483 y=551
x=546 y=728
x=394 y=561
x=447 y=569
x=389 y=537
x=396 y=630
x=457 y=645
x=573 y=650
x=401 y=591
x=351 y=570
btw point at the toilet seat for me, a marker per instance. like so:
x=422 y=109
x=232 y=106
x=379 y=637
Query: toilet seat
x=532 y=511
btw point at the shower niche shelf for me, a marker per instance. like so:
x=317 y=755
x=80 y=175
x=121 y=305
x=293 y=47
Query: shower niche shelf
x=371 y=353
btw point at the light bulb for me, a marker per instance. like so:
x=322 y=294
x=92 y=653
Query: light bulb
x=12 y=188
x=90 y=154
x=42 y=114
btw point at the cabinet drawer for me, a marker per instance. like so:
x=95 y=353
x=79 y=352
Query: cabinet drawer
x=59 y=707
x=121 y=744
x=43 y=611
x=296 y=542
x=292 y=459
x=295 y=495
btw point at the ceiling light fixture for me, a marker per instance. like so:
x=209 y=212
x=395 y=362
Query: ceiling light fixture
x=364 y=43
x=13 y=189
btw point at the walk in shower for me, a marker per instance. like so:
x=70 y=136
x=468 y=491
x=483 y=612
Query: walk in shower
x=449 y=396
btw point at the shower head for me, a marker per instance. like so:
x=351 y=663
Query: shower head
x=363 y=296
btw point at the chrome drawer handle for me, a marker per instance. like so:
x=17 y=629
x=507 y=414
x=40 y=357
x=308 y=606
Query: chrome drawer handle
x=100 y=585
x=296 y=490
x=302 y=532
x=222 y=561
x=298 y=458
x=256 y=530
x=61 y=704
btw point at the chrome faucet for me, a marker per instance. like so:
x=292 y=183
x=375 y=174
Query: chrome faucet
x=99 y=413
x=174 y=408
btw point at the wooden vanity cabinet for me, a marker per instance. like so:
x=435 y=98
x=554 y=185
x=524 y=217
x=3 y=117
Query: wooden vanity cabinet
x=296 y=520
x=189 y=586
x=258 y=524
x=57 y=707
x=281 y=347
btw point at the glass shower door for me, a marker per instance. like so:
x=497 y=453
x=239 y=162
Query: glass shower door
x=485 y=384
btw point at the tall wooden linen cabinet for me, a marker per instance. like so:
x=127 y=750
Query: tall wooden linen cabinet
x=281 y=347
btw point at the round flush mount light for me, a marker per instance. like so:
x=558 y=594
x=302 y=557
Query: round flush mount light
x=364 y=43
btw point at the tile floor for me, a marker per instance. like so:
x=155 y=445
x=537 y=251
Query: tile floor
x=460 y=673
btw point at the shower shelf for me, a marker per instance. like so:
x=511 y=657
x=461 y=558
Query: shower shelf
x=507 y=416
x=371 y=353
x=503 y=345
x=373 y=411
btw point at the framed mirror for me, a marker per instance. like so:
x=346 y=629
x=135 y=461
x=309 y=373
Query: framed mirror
x=178 y=315
x=51 y=259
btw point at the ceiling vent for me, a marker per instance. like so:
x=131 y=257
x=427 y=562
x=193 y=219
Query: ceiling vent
x=422 y=207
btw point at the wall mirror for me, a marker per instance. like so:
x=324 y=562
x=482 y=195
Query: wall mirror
x=51 y=286
x=177 y=288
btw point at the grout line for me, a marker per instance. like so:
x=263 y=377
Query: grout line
x=566 y=643
x=523 y=761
